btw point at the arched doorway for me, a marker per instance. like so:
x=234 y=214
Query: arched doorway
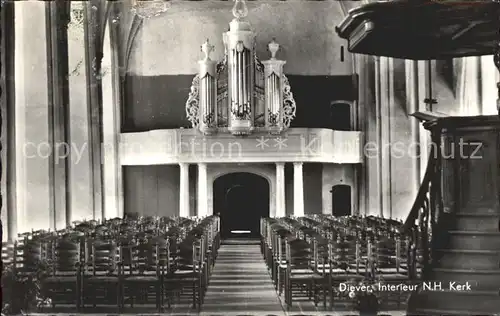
x=241 y=199
x=341 y=200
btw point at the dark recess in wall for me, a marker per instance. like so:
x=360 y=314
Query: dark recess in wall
x=159 y=102
x=154 y=190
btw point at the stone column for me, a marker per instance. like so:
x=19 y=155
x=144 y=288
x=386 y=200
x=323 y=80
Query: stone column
x=58 y=106
x=298 y=189
x=7 y=110
x=31 y=117
x=93 y=62
x=111 y=117
x=470 y=86
x=80 y=169
x=377 y=191
x=496 y=60
x=489 y=75
x=386 y=102
x=202 y=190
x=184 y=190
x=280 y=190
x=210 y=196
x=365 y=70
x=425 y=93
x=411 y=70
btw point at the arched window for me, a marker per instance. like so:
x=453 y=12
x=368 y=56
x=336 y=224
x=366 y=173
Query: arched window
x=341 y=200
x=340 y=115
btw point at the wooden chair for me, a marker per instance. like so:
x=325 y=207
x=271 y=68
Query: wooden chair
x=322 y=267
x=300 y=273
x=167 y=264
x=28 y=263
x=63 y=285
x=188 y=272
x=278 y=255
x=27 y=255
x=7 y=252
x=388 y=269
x=280 y=262
x=345 y=265
x=140 y=276
x=101 y=274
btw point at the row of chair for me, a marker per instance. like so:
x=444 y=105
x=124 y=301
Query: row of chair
x=313 y=255
x=122 y=261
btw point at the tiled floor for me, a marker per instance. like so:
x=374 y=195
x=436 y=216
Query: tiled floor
x=240 y=284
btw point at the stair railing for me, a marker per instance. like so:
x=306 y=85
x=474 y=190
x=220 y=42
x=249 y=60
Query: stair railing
x=422 y=220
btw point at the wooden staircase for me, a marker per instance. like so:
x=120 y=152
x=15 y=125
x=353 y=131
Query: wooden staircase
x=461 y=214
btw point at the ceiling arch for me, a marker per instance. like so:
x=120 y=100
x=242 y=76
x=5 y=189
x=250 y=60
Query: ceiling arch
x=294 y=24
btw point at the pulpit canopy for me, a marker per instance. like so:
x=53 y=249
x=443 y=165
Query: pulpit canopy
x=423 y=30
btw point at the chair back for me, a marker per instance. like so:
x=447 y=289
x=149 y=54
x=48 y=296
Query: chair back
x=67 y=255
x=7 y=252
x=299 y=255
x=103 y=258
x=27 y=255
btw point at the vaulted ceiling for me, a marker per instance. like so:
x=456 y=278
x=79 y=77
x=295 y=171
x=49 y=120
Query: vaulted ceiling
x=169 y=43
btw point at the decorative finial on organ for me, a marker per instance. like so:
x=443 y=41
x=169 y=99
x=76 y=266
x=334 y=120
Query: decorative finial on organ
x=207 y=49
x=240 y=9
x=273 y=48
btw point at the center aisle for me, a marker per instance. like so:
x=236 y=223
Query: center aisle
x=240 y=284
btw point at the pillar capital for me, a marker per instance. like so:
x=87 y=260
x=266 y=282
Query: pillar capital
x=280 y=164
x=298 y=164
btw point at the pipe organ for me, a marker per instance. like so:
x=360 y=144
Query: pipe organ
x=240 y=94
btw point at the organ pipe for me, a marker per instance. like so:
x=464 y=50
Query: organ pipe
x=273 y=72
x=207 y=91
x=240 y=48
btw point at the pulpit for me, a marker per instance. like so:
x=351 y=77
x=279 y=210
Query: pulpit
x=454 y=222
x=468 y=159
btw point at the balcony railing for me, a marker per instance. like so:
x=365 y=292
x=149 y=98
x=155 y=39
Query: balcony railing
x=188 y=145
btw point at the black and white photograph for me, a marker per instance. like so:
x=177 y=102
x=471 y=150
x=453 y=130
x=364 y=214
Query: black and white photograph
x=250 y=157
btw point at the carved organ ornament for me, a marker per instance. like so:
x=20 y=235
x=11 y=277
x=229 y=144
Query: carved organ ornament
x=240 y=93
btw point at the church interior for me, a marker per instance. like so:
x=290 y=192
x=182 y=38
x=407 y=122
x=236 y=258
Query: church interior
x=250 y=157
